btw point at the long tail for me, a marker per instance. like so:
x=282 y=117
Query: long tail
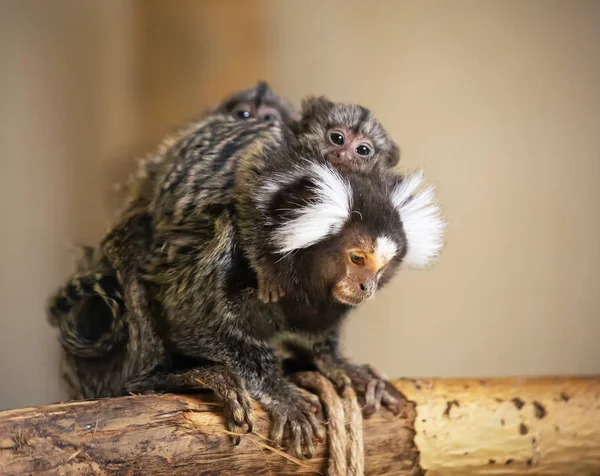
x=88 y=312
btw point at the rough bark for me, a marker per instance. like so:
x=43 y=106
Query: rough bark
x=466 y=427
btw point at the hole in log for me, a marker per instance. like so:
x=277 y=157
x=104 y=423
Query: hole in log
x=540 y=410
x=523 y=429
x=518 y=403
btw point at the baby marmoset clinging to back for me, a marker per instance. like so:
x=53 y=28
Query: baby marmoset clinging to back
x=347 y=135
x=258 y=102
x=88 y=308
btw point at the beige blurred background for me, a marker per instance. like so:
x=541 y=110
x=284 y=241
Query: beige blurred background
x=498 y=100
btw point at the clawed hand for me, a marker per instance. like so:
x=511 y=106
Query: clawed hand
x=370 y=385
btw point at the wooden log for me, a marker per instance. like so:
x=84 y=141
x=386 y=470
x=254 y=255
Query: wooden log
x=541 y=426
x=508 y=426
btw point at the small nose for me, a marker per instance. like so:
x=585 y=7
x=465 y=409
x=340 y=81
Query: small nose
x=367 y=288
x=341 y=154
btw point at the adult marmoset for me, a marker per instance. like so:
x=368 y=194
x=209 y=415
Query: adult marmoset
x=222 y=178
x=332 y=237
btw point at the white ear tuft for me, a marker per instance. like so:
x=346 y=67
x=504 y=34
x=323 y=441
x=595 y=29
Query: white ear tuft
x=320 y=218
x=404 y=190
x=421 y=217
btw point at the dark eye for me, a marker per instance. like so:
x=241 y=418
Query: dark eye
x=357 y=259
x=363 y=150
x=336 y=138
x=269 y=117
x=242 y=111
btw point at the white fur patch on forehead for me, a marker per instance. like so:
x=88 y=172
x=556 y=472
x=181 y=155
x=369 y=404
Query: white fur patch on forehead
x=385 y=249
x=322 y=217
x=421 y=217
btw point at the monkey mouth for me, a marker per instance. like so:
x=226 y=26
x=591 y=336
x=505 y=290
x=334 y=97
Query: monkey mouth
x=343 y=165
x=349 y=299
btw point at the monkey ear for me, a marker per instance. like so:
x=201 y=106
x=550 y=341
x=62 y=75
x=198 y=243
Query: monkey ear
x=315 y=106
x=393 y=156
x=421 y=218
x=261 y=89
x=309 y=209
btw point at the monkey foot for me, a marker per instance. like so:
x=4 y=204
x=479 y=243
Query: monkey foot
x=296 y=409
x=269 y=291
x=372 y=387
x=238 y=412
x=230 y=388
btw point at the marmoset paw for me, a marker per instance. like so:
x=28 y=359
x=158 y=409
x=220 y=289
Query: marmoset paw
x=269 y=291
x=237 y=402
x=375 y=389
x=238 y=412
x=371 y=387
x=296 y=411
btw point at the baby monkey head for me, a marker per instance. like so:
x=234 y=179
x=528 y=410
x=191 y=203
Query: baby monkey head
x=345 y=234
x=259 y=102
x=347 y=135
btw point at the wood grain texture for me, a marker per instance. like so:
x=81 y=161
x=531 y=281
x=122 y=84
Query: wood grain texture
x=507 y=426
x=540 y=426
x=168 y=434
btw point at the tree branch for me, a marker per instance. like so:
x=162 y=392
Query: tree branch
x=541 y=426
